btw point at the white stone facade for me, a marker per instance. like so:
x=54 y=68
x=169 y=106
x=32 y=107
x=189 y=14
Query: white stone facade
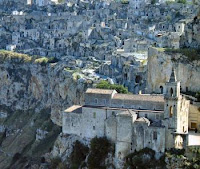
x=132 y=122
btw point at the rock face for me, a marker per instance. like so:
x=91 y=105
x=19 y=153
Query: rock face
x=64 y=145
x=32 y=96
x=159 y=70
x=191 y=38
x=26 y=86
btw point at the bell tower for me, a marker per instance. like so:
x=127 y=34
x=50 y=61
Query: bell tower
x=176 y=109
x=171 y=97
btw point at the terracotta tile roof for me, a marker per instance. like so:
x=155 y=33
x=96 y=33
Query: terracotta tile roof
x=142 y=97
x=99 y=91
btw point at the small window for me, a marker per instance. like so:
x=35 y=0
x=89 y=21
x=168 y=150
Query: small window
x=146 y=116
x=72 y=125
x=193 y=125
x=96 y=101
x=94 y=115
x=113 y=113
x=93 y=127
x=104 y=101
x=155 y=135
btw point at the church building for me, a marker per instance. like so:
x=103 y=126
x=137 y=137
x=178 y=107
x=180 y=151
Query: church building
x=132 y=121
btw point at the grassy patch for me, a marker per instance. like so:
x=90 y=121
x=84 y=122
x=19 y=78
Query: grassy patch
x=24 y=58
x=125 y=1
x=8 y=55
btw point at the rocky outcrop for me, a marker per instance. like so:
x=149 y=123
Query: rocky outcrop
x=63 y=146
x=160 y=66
x=29 y=85
x=191 y=37
x=32 y=97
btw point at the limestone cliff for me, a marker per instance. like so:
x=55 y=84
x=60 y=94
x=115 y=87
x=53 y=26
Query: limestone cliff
x=160 y=66
x=32 y=96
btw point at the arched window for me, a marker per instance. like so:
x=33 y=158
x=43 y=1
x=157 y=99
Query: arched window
x=170 y=111
x=171 y=92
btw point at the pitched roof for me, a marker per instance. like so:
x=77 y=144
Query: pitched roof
x=139 y=97
x=99 y=91
x=172 y=77
x=74 y=108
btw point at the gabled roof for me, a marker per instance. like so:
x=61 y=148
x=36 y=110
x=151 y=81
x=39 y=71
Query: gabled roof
x=74 y=109
x=99 y=91
x=139 y=97
x=172 y=77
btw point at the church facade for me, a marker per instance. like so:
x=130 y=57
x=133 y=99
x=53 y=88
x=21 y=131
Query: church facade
x=132 y=122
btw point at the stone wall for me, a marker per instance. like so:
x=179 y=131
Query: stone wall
x=194 y=116
x=148 y=136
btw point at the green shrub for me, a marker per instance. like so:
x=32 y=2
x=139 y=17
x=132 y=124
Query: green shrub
x=182 y=1
x=106 y=85
x=100 y=147
x=177 y=152
x=78 y=155
x=55 y=162
x=143 y=159
x=44 y=60
x=191 y=54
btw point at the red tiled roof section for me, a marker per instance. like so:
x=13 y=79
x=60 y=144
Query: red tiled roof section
x=140 y=97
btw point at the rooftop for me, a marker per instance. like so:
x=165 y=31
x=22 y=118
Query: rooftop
x=74 y=108
x=99 y=91
x=124 y=109
x=140 y=97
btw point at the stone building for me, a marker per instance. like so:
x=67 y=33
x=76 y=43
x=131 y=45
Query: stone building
x=132 y=122
x=194 y=116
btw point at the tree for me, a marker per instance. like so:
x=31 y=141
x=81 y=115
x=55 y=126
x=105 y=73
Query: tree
x=106 y=85
x=182 y=1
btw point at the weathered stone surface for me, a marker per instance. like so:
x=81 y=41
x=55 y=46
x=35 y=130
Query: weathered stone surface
x=160 y=67
x=32 y=86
